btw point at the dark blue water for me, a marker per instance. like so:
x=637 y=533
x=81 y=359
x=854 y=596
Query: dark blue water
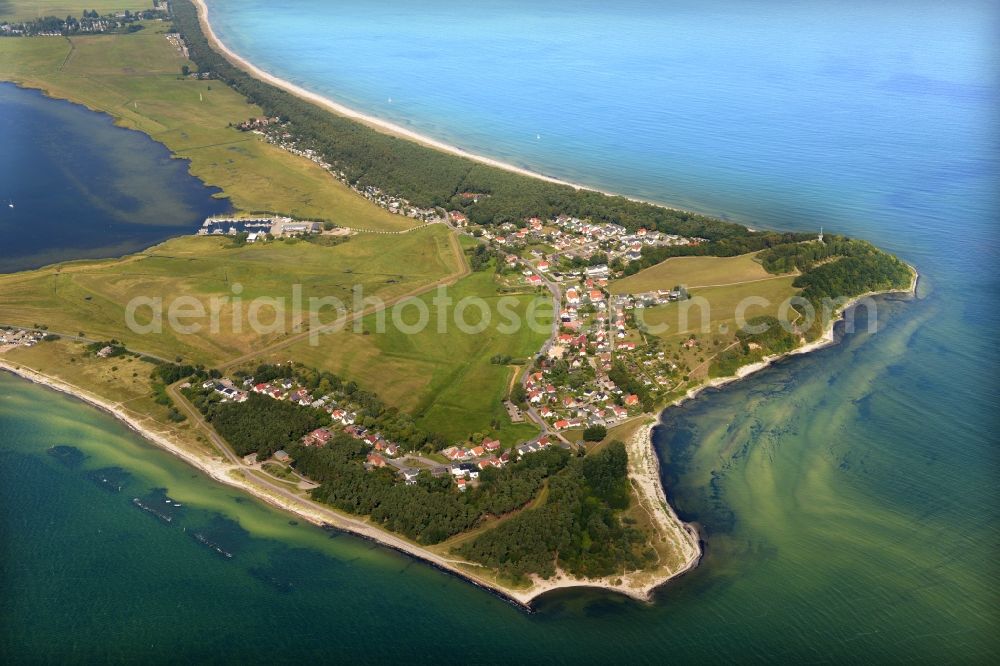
x=849 y=498
x=83 y=188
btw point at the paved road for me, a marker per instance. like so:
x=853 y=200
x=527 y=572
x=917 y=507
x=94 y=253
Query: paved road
x=556 y=292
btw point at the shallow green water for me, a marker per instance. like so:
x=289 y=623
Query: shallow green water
x=849 y=498
x=834 y=533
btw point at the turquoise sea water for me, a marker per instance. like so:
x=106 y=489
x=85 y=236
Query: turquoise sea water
x=849 y=498
x=83 y=188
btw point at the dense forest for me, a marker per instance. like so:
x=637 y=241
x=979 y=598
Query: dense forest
x=762 y=336
x=430 y=510
x=260 y=425
x=428 y=177
x=577 y=529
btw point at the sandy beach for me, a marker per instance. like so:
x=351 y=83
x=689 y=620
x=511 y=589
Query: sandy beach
x=377 y=123
x=828 y=338
x=638 y=585
x=380 y=124
x=644 y=475
x=644 y=471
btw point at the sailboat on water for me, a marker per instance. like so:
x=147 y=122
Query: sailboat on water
x=10 y=203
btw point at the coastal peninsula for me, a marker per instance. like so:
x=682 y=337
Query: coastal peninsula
x=540 y=415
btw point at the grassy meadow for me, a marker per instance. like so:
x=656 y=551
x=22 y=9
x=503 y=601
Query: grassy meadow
x=446 y=379
x=91 y=296
x=124 y=381
x=23 y=10
x=720 y=287
x=136 y=78
x=717 y=307
x=692 y=272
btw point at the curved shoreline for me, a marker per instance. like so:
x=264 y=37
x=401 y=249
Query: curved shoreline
x=380 y=124
x=647 y=481
x=386 y=126
x=644 y=474
x=826 y=340
x=322 y=516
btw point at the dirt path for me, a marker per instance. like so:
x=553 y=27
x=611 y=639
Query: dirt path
x=330 y=328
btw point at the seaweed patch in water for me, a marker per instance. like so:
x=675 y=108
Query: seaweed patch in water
x=157 y=503
x=67 y=455
x=112 y=479
x=222 y=535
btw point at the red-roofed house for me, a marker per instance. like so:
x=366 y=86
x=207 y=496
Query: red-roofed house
x=375 y=460
x=453 y=453
x=317 y=437
x=632 y=399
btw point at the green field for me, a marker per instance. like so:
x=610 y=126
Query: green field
x=124 y=381
x=447 y=380
x=692 y=272
x=444 y=378
x=20 y=10
x=718 y=306
x=90 y=296
x=137 y=79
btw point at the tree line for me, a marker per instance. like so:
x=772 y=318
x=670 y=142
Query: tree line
x=578 y=529
x=430 y=510
x=428 y=177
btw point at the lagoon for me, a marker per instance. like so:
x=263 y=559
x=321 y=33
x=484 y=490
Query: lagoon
x=848 y=498
x=83 y=188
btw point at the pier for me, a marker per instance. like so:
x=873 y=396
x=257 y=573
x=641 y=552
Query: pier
x=276 y=225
